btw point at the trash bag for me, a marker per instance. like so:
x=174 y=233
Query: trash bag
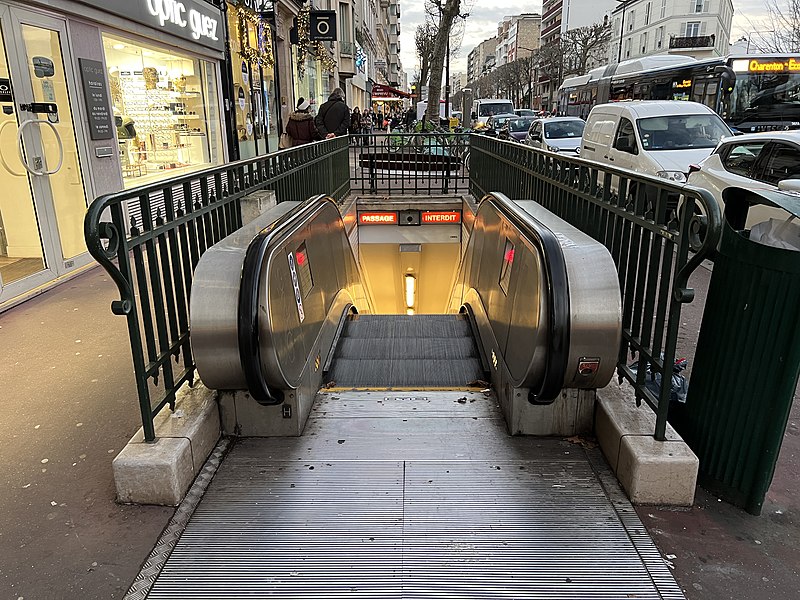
x=679 y=383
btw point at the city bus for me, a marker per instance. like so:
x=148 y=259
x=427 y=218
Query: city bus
x=750 y=92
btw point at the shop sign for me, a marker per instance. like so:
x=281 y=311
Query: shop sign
x=774 y=66
x=377 y=218
x=190 y=19
x=323 y=25
x=95 y=91
x=5 y=91
x=440 y=217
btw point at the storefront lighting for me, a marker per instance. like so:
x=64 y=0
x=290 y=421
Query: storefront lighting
x=411 y=289
x=262 y=54
x=118 y=46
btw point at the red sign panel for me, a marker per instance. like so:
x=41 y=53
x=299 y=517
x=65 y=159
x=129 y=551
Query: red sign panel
x=440 y=217
x=377 y=218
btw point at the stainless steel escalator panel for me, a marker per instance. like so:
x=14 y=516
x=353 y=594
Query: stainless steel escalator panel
x=403 y=505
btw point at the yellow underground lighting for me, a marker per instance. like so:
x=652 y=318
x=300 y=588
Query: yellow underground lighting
x=411 y=288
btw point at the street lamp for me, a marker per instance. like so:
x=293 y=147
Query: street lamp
x=622 y=27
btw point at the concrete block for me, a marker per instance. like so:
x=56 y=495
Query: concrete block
x=154 y=473
x=654 y=472
x=650 y=471
x=162 y=471
x=617 y=416
x=257 y=203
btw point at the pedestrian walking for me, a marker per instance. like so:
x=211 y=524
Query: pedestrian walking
x=367 y=123
x=355 y=124
x=333 y=118
x=301 y=125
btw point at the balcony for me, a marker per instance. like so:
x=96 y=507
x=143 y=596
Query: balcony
x=347 y=48
x=697 y=42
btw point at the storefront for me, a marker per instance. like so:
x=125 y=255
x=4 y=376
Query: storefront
x=387 y=100
x=96 y=96
x=253 y=82
x=313 y=66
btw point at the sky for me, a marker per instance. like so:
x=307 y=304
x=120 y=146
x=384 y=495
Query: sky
x=485 y=14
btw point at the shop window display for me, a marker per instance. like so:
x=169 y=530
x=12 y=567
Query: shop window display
x=253 y=81
x=161 y=111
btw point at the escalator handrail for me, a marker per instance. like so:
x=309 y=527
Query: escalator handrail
x=555 y=275
x=249 y=339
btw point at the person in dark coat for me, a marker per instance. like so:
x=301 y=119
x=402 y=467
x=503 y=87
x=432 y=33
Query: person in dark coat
x=301 y=125
x=333 y=118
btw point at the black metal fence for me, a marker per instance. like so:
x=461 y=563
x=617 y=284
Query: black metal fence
x=647 y=224
x=409 y=163
x=150 y=239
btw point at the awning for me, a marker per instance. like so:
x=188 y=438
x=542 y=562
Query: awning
x=380 y=92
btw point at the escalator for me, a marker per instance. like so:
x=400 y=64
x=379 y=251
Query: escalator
x=406 y=351
x=377 y=456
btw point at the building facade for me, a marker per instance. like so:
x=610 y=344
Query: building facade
x=517 y=37
x=481 y=59
x=560 y=16
x=135 y=92
x=696 y=28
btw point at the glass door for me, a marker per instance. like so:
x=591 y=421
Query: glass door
x=43 y=199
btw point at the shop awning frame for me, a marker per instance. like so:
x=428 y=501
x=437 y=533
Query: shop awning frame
x=386 y=92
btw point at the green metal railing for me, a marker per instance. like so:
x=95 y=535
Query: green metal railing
x=646 y=223
x=435 y=162
x=151 y=238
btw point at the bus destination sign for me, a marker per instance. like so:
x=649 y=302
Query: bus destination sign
x=790 y=65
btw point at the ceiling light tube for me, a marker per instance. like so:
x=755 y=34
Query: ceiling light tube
x=411 y=288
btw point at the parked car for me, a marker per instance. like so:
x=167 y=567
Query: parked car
x=661 y=137
x=556 y=134
x=517 y=128
x=496 y=122
x=525 y=112
x=757 y=161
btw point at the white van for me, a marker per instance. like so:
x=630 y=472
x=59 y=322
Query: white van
x=658 y=137
x=486 y=107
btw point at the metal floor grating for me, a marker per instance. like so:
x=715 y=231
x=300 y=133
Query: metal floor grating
x=383 y=498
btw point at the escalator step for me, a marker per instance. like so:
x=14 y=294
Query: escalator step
x=421 y=373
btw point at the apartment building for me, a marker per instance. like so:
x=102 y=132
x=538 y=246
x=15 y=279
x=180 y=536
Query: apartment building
x=696 y=28
x=559 y=16
x=482 y=59
x=517 y=37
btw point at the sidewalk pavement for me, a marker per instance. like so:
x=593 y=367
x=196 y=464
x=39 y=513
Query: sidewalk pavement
x=69 y=406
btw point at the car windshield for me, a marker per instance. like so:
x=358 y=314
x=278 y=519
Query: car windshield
x=525 y=112
x=520 y=124
x=560 y=130
x=495 y=108
x=681 y=132
x=498 y=122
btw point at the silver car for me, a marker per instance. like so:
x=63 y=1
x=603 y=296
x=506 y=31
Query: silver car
x=755 y=161
x=556 y=134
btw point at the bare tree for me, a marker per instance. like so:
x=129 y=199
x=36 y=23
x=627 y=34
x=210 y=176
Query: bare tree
x=579 y=46
x=424 y=38
x=448 y=10
x=779 y=31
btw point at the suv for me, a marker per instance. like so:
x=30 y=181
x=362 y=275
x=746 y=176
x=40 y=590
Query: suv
x=757 y=161
x=656 y=137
